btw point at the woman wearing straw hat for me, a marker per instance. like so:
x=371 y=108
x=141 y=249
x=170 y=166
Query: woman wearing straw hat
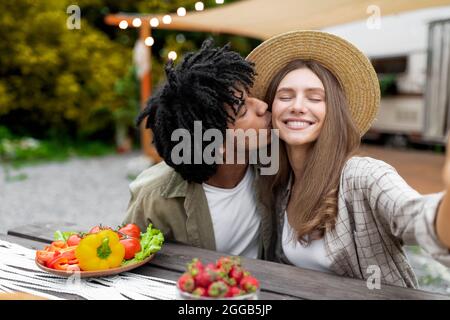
x=337 y=212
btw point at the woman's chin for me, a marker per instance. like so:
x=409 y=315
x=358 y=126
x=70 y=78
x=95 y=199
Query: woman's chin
x=297 y=140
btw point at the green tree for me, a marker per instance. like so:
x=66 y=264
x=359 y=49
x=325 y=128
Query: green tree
x=56 y=81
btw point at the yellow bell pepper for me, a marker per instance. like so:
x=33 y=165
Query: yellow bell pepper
x=100 y=251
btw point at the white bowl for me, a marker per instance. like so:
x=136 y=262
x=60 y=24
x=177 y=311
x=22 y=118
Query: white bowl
x=182 y=295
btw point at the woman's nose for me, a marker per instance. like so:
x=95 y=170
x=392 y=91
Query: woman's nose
x=299 y=106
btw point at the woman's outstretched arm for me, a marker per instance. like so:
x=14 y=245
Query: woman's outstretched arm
x=443 y=215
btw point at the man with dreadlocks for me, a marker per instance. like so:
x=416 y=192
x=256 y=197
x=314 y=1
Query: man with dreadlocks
x=212 y=206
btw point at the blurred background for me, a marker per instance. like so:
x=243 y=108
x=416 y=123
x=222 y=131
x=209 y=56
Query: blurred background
x=74 y=74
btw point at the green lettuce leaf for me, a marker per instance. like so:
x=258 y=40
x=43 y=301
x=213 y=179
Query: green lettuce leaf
x=62 y=236
x=151 y=242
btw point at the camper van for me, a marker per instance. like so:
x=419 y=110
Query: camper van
x=411 y=54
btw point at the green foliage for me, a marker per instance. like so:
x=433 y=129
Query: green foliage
x=65 y=85
x=20 y=151
x=53 y=77
x=127 y=88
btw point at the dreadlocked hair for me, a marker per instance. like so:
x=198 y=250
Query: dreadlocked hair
x=197 y=89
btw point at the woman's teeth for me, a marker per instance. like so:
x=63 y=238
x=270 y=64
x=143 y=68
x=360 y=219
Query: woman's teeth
x=298 y=124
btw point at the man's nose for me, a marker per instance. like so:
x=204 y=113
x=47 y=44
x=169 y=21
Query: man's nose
x=260 y=106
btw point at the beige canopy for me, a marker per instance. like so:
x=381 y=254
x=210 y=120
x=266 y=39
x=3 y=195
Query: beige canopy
x=262 y=19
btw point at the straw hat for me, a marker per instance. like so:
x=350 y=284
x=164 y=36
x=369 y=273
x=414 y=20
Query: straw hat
x=350 y=66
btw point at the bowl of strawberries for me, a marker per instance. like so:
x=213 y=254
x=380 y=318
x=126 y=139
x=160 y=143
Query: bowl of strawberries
x=225 y=279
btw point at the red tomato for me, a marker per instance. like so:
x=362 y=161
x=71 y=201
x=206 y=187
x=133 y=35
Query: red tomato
x=132 y=246
x=99 y=228
x=73 y=240
x=131 y=230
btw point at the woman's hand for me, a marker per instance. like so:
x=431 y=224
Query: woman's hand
x=446 y=170
x=443 y=215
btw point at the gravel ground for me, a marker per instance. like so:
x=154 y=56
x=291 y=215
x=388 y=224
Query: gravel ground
x=82 y=191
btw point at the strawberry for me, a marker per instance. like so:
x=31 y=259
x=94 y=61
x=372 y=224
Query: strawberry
x=186 y=283
x=237 y=273
x=199 y=292
x=217 y=289
x=215 y=273
x=236 y=261
x=225 y=263
x=230 y=281
x=203 y=279
x=249 y=284
x=210 y=266
x=195 y=266
x=235 y=291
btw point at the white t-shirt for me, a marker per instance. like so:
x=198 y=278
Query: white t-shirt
x=313 y=256
x=235 y=218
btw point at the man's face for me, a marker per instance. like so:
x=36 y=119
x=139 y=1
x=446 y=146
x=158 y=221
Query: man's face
x=253 y=120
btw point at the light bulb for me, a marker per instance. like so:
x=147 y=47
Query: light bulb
x=154 y=22
x=172 y=55
x=181 y=12
x=123 y=24
x=167 y=19
x=136 y=22
x=149 y=41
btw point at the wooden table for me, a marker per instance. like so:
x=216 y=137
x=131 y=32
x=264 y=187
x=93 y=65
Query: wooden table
x=277 y=281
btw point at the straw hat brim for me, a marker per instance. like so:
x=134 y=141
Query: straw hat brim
x=349 y=65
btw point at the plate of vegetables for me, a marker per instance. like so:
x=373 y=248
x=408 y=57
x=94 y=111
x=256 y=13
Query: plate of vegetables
x=100 y=252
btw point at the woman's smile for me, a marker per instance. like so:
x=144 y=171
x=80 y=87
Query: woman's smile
x=298 y=124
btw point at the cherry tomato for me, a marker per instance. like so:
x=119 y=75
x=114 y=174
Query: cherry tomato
x=131 y=230
x=99 y=228
x=132 y=246
x=73 y=240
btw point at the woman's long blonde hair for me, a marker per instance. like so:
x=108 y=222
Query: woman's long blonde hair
x=313 y=203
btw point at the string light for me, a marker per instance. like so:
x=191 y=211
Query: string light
x=167 y=19
x=199 y=6
x=136 y=22
x=154 y=22
x=149 y=41
x=172 y=55
x=181 y=12
x=123 y=24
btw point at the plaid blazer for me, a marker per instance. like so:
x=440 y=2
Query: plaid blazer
x=378 y=214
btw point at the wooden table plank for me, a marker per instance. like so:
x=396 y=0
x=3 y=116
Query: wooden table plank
x=275 y=278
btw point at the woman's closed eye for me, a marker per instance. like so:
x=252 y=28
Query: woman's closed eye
x=285 y=98
x=315 y=99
